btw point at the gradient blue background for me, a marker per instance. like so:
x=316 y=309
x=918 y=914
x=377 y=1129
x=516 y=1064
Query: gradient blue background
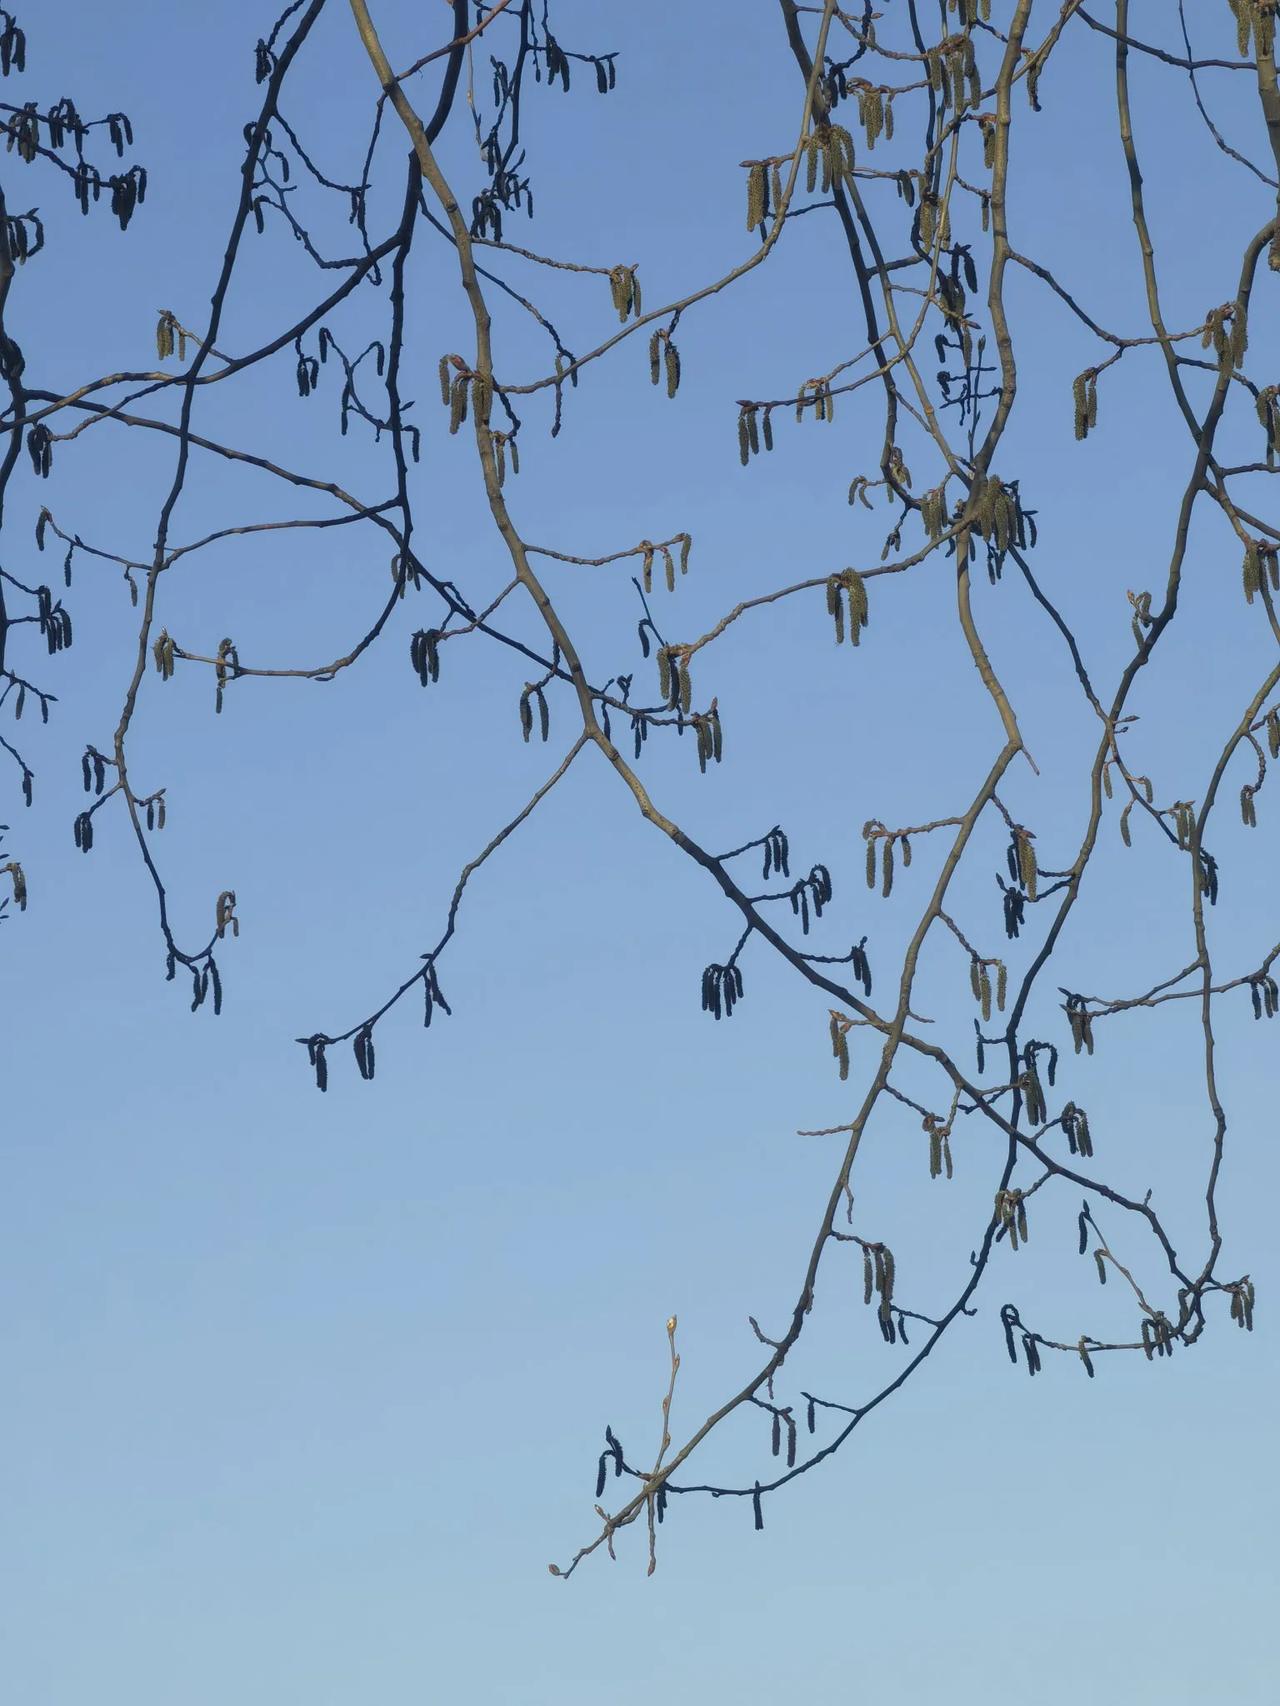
x=302 y=1394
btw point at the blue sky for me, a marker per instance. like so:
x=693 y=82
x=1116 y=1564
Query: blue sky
x=304 y=1393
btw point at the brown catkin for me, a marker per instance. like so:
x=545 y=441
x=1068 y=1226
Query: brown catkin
x=458 y=402
x=840 y=1047
x=671 y=359
x=621 y=287
x=1242 y=25
x=1239 y=335
x=859 y=615
x=757 y=191
x=1268 y=418
x=1027 y=862
x=835 y=605
x=1252 y=571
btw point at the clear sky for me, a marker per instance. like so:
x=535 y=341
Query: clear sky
x=303 y=1393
